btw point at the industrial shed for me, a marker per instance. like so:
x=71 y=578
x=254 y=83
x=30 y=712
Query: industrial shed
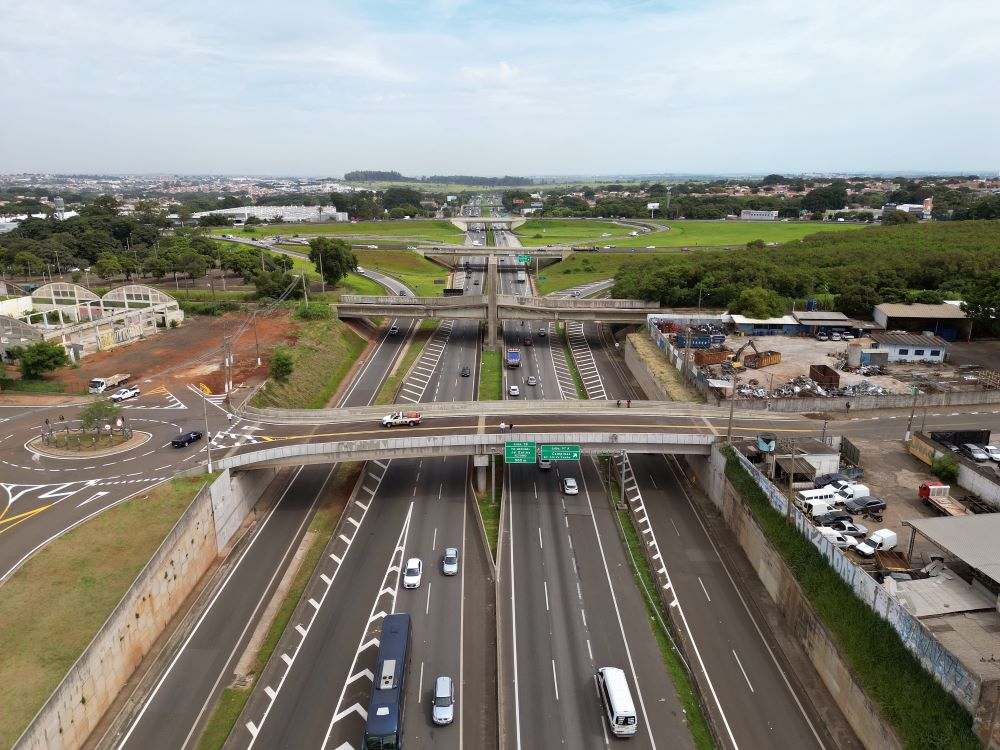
x=947 y=320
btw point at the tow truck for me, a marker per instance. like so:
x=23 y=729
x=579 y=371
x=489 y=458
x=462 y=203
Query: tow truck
x=404 y=418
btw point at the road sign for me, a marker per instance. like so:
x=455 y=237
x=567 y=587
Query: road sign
x=541 y=278
x=523 y=258
x=560 y=452
x=519 y=452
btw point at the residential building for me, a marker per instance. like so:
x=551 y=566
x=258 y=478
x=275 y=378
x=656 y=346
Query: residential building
x=748 y=215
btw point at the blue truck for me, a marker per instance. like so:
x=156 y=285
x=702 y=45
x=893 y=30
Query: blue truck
x=513 y=358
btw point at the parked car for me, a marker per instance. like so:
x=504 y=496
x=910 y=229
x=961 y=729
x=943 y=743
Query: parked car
x=186 y=438
x=821 y=336
x=443 y=704
x=950 y=446
x=569 y=486
x=975 y=452
x=824 y=479
x=125 y=394
x=837 y=538
x=532 y=380
x=832 y=517
x=866 y=504
x=513 y=391
x=449 y=561
x=466 y=372
x=849 y=528
x=834 y=336
x=413 y=573
x=993 y=452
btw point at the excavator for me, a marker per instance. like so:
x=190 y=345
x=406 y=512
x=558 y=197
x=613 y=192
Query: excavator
x=734 y=362
x=761 y=359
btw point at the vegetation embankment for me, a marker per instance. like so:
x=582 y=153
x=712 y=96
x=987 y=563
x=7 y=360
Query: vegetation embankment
x=708 y=233
x=579 y=269
x=920 y=711
x=489 y=509
x=328 y=513
x=665 y=373
x=413 y=270
x=491 y=377
x=80 y=577
x=387 y=393
x=324 y=351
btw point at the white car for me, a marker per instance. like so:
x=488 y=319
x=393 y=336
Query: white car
x=532 y=380
x=569 y=486
x=993 y=452
x=372 y=247
x=413 y=573
x=125 y=393
x=514 y=391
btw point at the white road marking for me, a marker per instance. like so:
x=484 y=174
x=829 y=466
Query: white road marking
x=545 y=585
x=743 y=671
x=704 y=589
x=555 y=682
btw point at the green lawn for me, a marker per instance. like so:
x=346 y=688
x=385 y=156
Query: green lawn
x=699 y=233
x=413 y=270
x=431 y=230
x=582 y=268
x=491 y=377
x=355 y=284
x=54 y=605
x=536 y=232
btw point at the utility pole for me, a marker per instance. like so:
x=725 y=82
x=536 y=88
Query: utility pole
x=305 y=289
x=687 y=355
x=208 y=435
x=322 y=278
x=913 y=409
x=732 y=406
x=256 y=342
x=791 y=478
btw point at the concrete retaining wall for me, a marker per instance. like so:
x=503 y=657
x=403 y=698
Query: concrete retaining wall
x=93 y=682
x=642 y=374
x=233 y=495
x=862 y=403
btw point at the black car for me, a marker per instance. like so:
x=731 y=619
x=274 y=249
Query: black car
x=466 y=372
x=824 y=479
x=866 y=504
x=186 y=438
x=834 y=515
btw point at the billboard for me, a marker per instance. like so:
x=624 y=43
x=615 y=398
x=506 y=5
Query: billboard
x=652 y=206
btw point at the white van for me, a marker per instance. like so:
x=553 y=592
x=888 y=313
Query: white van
x=617 y=700
x=851 y=492
x=837 y=538
x=814 y=508
x=826 y=494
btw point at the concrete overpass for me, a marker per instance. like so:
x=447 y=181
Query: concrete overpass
x=510 y=222
x=452 y=251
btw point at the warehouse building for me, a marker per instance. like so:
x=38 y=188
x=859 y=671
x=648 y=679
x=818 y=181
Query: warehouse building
x=948 y=320
x=910 y=347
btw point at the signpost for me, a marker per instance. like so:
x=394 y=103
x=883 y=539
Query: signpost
x=519 y=452
x=560 y=452
x=523 y=258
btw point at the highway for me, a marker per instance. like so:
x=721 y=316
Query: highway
x=172 y=713
x=414 y=509
x=568 y=601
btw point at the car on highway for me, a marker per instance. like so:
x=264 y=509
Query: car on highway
x=541 y=333
x=513 y=391
x=413 y=573
x=475 y=282
x=569 y=486
x=393 y=329
x=449 y=561
x=866 y=504
x=532 y=380
x=359 y=269
x=443 y=704
x=401 y=293
x=544 y=463
x=125 y=394
x=186 y=438
x=372 y=247
x=848 y=528
x=974 y=452
x=528 y=341
x=466 y=372
x=411 y=247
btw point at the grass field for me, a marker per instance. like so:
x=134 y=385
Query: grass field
x=324 y=352
x=431 y=230
x=413 y=270
x=355 y=284
x=701 y=233
x=582 y=268
x=54 y=605
x=491 y=377
x=536 y=232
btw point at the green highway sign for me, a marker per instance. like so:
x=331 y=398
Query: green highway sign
x=523 y=258
x=560 y=452
x=519 y=452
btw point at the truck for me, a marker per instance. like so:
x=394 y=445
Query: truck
x=100 y=385
x=513 y=358
x=882 y=540
x=401 y=418
x=939 y=496
x=521 y=277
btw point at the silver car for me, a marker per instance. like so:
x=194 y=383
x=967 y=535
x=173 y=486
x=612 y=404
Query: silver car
x=449 y=562
x=569 y=486
x=443 y=705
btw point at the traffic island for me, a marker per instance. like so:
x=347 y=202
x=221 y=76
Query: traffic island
x=86 y=446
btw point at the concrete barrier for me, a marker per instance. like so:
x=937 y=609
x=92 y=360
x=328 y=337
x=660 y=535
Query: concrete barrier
x=642 y=374
x=93 y=682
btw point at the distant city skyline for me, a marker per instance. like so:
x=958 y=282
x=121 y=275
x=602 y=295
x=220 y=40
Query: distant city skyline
x=591 y=88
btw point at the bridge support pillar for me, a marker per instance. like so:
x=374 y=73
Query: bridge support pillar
x=481 y=463
x=493 y=285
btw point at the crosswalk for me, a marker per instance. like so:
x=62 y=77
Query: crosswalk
x=586 y=365
x=172 y=402
x=564 y=379
x=416 y=384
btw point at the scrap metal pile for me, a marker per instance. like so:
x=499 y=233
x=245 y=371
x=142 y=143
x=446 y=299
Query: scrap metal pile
x=805 y=387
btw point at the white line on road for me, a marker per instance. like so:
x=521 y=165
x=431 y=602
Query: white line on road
x=434 y=540
x=676 y=530
x=427 y=609
x=545 y=585
x=420 y=684
x=743 y=671
x=555 y=682
x=704 y=589
x=540 y=546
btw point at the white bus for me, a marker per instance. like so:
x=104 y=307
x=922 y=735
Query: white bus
x=617 y=700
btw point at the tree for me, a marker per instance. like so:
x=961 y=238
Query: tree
x=334 y=257
x=272 y=284
x=898 y=217
x=40 y=357
x=985 y=208
x=28 y=262
x=99 y=413
x=858 y=301
x=757 y=302
x=281 y=365
x=756 y=245
x=824 y=198
x=107 y=266
x=193 y=264
x=945 y=468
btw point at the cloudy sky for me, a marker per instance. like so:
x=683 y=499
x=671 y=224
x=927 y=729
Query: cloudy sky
x=311 y=87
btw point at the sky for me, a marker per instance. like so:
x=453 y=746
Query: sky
x=547 y=87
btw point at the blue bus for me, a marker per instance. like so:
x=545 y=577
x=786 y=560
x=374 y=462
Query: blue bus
x=384 y=728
